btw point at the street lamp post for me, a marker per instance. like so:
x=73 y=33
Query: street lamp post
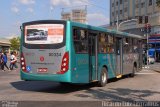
x=147 y=28
x=119 y=24
x=147 y=51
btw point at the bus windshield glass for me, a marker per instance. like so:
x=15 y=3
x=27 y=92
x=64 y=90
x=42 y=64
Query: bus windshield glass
x=44 y=33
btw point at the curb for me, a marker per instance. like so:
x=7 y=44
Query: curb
x=156 y=70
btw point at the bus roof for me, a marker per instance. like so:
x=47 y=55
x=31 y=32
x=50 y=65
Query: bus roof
x=105 y=30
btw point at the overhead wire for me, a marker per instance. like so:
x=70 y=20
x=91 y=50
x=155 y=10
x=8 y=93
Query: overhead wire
x=93 y=4
x=89 y=3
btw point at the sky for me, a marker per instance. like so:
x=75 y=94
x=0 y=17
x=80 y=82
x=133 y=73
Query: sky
x=15 y=12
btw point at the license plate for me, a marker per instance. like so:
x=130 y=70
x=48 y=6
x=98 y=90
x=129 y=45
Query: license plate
x=42 y=70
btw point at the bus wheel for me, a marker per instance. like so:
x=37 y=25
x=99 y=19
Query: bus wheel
x=133 y=72
x=103 y=77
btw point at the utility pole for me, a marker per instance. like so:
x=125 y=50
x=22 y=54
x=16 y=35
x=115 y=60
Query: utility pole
x=62 y=11
x=86 y=8
x=147 y=31
x=119 y=24
x=147 y=51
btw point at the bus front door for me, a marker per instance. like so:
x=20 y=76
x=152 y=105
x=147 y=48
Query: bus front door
x=119 y=57
x=93 y=56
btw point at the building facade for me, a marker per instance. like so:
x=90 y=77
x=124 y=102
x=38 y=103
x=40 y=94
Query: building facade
x=77 y=15
x=122 y=10
x=66 y=16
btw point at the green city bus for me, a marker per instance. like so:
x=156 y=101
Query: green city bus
x=71 y=52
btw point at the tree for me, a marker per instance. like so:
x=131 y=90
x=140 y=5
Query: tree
x=158 y=3
x=15 y=43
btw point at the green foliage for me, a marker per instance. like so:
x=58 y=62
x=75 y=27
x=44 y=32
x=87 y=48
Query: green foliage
x=158 y=3
x=15 y=43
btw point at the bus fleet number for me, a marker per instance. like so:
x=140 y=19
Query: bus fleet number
x=55 y=54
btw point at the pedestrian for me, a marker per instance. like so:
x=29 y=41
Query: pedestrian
x=13 y=60
x=4 y=61
x=0 y=59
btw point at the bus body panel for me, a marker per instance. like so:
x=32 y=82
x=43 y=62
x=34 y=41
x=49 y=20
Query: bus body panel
x=43 y=58
x=80 y=71
x=128 y=62
x=46 y=58
x=50 y=76
x=108 y=60
x=79 y=62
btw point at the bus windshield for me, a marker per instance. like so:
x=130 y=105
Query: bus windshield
x=44 y=33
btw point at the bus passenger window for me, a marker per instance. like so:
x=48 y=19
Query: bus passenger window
x=117 y=42
x=103 y=39
x=75 y=34
x=106 y=43
x=127 y=45
x=130 y=45
x=111 y=44
x=80 y=40
x=83 y=35
x=135 y=45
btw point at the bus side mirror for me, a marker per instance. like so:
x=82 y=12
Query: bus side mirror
x=21 y=28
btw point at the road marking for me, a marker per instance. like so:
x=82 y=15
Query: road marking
x=145 y=73
x=146 y=70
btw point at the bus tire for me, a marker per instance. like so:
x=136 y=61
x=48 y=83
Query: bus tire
x=133 y=71
x=103 y=77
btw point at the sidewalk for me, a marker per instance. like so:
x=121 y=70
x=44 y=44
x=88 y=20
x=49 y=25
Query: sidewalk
x=155 y=67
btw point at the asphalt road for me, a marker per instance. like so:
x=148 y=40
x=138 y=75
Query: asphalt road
x=144 y=86
x=155 y=67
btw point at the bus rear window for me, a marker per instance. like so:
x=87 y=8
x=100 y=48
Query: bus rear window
x=44 y=34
